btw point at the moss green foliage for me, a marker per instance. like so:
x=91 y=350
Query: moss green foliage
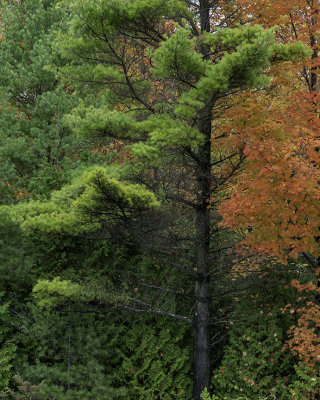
x=105 y=348
x=102 y=340
x=254 y=364
x=206 y=396
x=50 y=294
x=306 y=382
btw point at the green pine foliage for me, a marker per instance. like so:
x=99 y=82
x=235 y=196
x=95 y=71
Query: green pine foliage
x=15 y=287
x=168 y=124
x=37 y=149
x=91 y=199
x=15 y=265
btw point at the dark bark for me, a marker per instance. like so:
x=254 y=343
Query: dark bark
x=313 y=80
x=201 y=320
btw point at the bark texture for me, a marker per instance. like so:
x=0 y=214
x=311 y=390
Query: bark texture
x=201 y=339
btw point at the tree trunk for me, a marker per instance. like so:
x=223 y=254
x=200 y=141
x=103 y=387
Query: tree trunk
x=201 y=320
x=201 y=350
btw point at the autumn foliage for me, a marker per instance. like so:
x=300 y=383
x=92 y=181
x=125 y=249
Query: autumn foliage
x=274 y=203
x=304 y=338
x=275 y=200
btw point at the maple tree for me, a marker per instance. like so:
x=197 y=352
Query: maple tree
x=277 y=196
x=279 y=193
x=275 y=202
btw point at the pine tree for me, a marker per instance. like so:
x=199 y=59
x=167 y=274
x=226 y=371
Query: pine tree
x=164 y=75
x=37 y=149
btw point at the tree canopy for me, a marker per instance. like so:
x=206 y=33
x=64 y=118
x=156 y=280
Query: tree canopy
x=159 y=159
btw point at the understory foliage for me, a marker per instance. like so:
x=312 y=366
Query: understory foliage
x=8 y=348
x=255 y=364
x=153 y=363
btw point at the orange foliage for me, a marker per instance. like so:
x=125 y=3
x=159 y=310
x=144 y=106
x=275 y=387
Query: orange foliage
x=304 y=339
x=278 y=195
x=275 y=201
x=295 y=20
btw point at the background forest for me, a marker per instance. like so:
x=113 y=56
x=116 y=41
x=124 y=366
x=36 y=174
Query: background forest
x=160 y=170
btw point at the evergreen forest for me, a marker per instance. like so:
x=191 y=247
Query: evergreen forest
x=160 y=200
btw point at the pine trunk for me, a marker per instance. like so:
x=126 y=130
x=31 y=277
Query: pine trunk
x=201 y=350
x=201 y=320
